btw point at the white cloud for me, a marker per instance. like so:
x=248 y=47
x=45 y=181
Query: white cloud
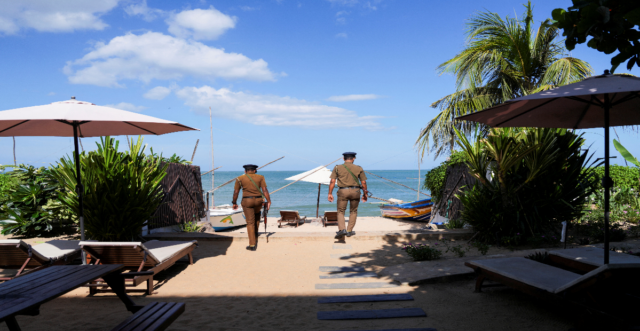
x=344 y=2
x=157 y=93
x=248 y=8
x=273 y=110
x=154 y=55
x=128 y=107
x=51 y=93
x=141 y=9
x=200 y=24
x=53 y=16
x=342 y=35
x=353 y=97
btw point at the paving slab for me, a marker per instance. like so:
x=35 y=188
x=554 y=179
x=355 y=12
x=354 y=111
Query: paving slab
x=341 y=269
x=366 y=298
x=341 y=246
x=425 y=272
x=349 y=275
x=343 y=286
x=369 y=314
x=340 y=256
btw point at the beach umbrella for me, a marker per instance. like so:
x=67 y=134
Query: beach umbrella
x=320 y=175
x=79 y=119
x=596 y=102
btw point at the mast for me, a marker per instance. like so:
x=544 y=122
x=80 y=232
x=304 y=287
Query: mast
x=418 y=196
x=212 y=159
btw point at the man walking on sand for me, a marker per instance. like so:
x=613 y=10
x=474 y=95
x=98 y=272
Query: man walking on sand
x=351 y=179
x=254 y=194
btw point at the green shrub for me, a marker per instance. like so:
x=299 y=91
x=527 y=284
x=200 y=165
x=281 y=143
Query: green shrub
x=190 y=227
x=435 y=178
x=455 y=224
x=30 y=200
x=538 y=182
x=623 y=177
x=122 y=189
x=483 y=248
x=422 y=252
x=593 y=230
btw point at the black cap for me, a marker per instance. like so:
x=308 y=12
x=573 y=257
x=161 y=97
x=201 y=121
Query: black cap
x=349 y=154
x=250 y=167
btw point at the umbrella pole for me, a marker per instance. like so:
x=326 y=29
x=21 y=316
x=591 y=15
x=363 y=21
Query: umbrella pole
x=607 y=183
x=79 y=187
x=318 y=206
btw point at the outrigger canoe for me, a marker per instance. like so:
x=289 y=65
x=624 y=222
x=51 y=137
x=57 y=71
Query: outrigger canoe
x=225 y=218
x=411 y=211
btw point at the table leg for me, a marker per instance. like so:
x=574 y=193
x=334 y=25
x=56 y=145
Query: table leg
x=12 y=324
x=115 y=280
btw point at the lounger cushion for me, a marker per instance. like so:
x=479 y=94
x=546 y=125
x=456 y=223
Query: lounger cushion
x=530 y=272
x=595 y=256
x=36 y=255
x=164 y=250
x=57 y=249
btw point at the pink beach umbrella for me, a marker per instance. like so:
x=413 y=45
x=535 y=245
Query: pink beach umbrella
x=74 y=118
x=596 y=102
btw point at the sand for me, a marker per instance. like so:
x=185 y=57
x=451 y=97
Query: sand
x=365 y=223
x=230 y=288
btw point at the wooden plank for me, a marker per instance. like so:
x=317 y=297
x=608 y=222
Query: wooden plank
x=354 y=285
x=371 y=314
x=349 y=275
x=341 y=269
x=366 y=298
x=154 y=316
x=341 y=256
x=176 y=310
x=341 y=246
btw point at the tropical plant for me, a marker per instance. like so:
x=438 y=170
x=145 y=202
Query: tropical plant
x=611 y=24
x=436 y=178
x=31 y=204
x=625 y=153
x=503 y=59
x=191 y=227
x=175 y=158
x=122 y=189
x=536 y=181
x=422 y=252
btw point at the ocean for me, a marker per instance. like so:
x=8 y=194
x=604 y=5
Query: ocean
x=303 y=196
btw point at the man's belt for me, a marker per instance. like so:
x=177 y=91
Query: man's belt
x=356 y=187
x=252 y=197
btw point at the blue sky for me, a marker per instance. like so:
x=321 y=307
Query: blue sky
x=303 y=79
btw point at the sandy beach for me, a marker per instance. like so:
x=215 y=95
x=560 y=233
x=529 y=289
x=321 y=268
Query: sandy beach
x=230 y=288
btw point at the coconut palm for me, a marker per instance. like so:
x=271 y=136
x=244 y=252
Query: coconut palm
x=503 y=59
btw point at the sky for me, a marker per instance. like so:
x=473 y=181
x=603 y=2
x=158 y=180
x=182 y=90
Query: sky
x=307 y=80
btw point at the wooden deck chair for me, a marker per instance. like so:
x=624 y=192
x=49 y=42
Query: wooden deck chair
x=153 y=256
x=20 y=258
x=329 y=217
x=586 y=259
x=291 y=217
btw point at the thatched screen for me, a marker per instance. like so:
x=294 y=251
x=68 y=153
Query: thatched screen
x=458 y=178
x=183 y=199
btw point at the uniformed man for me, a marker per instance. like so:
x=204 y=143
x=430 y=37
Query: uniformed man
x=351 y=179
x=254 y=194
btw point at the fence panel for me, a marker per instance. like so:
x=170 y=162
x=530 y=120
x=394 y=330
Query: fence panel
x=183 y=200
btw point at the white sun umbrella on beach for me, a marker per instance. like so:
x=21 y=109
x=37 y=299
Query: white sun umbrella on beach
x=320 y=175
x=79 y=119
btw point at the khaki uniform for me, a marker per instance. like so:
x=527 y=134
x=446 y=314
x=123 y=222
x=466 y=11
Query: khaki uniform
x=348 y=192
x=251 y=202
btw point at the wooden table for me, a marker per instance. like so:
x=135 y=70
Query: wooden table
x=25 y=294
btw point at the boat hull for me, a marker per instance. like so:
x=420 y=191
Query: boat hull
x=225 y=219
x=419 y=211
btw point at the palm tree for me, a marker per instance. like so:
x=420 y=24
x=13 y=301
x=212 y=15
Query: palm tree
x=503 y=59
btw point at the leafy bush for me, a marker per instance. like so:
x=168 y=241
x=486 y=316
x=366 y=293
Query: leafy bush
x=122 y=189
x=32 y=204
x=422 y=252
x=593 y=230
x=190 y=227
x=455 y=224
x=623 y=177
x=537 y=182
x=435 y=178
x=483 y=248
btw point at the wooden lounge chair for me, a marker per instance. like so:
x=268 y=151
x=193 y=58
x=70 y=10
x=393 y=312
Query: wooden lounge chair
x=586 y=259
x=22 y=258
x=330 y=217
x=153 y=256
x=291 y=217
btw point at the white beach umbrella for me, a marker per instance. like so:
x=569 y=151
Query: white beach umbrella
x=74 y=118
x=320 y=175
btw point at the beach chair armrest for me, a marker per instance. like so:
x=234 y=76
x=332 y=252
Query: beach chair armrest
x=137 y=273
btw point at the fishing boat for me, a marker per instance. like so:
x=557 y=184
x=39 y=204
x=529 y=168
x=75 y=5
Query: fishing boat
x=224 y=218
x=410 y=211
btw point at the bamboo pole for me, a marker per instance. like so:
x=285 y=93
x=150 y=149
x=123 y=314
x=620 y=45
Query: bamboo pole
x=381 y=199
x=418 y=195
x=211 y=170
x=213 y=165
x=318 y=206
x=313 y=172
x=231 y=181
x=15 y=162
x=398 y=184
x=194 y=150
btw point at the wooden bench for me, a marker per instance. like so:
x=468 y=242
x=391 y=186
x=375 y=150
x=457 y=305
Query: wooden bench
x=154 y=316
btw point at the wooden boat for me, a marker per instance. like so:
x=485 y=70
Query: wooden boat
x=410 y=211
x=225 y=218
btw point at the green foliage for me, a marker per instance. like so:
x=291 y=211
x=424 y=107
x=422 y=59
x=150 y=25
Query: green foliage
x=122 y=189
x=483 y=248
x=542 y=257
x=422 y=252
x=537 y=181
x=190 y=227
x=435 y=178
x=593 y=230
x=455 y=224
x=458 y=250
x=611 y=24
x=503 y=59
x=625 y=153
x=623 y=177
x=30 y=201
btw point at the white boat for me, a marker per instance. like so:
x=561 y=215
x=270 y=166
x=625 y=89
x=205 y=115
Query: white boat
x=224 y=218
